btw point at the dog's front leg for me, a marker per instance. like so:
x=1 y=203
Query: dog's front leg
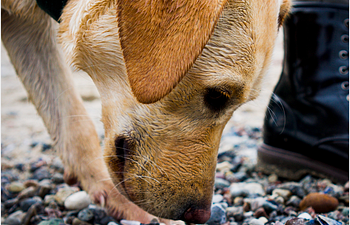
x=31 y=44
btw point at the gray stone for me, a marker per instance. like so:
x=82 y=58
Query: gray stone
x=86 y=215
x=221 y=183
x=218 y=215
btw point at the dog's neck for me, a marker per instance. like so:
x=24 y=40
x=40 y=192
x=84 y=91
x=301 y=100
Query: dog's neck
x=52 y=7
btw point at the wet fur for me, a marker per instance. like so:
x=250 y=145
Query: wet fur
x=168 y=159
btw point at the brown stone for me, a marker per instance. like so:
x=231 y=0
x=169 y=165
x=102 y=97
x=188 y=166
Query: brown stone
x=260 y=212
x=320 y=202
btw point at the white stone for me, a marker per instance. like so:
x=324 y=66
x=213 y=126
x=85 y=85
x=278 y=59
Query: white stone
x=305 y=215
x=224 y=166
x=77 y=201
x=243 y=189
x=282 y=192
x=217 y=198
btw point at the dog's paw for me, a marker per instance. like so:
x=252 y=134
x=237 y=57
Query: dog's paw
x=117 y=205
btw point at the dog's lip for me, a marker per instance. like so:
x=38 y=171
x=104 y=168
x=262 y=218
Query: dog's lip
x=123 y=145
x=121 y=149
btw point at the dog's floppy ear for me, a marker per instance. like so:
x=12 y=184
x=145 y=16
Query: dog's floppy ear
x=161 y=39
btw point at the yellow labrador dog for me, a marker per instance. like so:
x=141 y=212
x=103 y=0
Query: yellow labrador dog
x=170 y=74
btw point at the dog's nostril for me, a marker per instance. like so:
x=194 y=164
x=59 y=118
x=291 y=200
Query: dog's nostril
x=198 y=216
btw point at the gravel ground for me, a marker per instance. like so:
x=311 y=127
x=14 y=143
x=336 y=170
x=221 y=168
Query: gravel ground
x=33 y=190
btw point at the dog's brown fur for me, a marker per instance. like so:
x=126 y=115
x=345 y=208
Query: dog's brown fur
x=195 y=61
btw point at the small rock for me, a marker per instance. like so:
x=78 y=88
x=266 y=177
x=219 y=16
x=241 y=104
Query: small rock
x=48 y=199
x=293 y=201
x=224 y=167
x=238 y=201
x=245 y=189
x=31 y=183
x=218 y=215
x=255 y=222
x=294 y=187
x=106 y=220
x=217 y=198
x=63 y=193
x=44 y=188
x=57 y=165
x=86 y=215
x=296 y=221
x=27 y=203
x=77 y=201
x=15 y=218
x=112 y=223
x=221 y=183
x=33 y=211
x=320 y=202
x=27 y=193
x=345 y=211
x=305 y=216
x=57 y=178
x=260 y=212
x=263 y=219
x=99 y=214
x=16 y=187
x=55 y=221
x=236 y=213
x=282 y=192
x=272 y=178
x=325 y=220
x=10 y=202
x=77 y=221
x=290 y=211
x=41 y=173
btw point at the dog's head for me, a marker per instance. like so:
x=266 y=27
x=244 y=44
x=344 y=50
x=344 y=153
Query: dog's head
x=170 y=75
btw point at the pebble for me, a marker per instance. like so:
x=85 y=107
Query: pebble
x=256 y=222
x=63 y=193
x=260 y=212
x=295 y=221
x=305 y=216
x=15 y=218
x=57 y=178
x=218 y=215
x=293 y=201
x=41 y=174
x=86 y=215
x=224 y=167
x=27 y=193
x=245 y=189
x=54 y=221
x=77 y=201
x=320 y=202
x=49 y=198
x=77 y=221
x=272 y=178
x=285 y=194
x=16 y=187
x=221 y=183
x=27 y=203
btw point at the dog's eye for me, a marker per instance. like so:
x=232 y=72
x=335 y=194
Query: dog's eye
x=216 y=99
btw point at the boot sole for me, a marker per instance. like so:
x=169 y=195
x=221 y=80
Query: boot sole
x=294 y=166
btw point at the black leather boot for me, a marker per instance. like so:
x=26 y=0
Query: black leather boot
x=306 y=127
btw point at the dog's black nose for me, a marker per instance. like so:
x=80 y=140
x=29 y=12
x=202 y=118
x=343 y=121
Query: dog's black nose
x=197 y=215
